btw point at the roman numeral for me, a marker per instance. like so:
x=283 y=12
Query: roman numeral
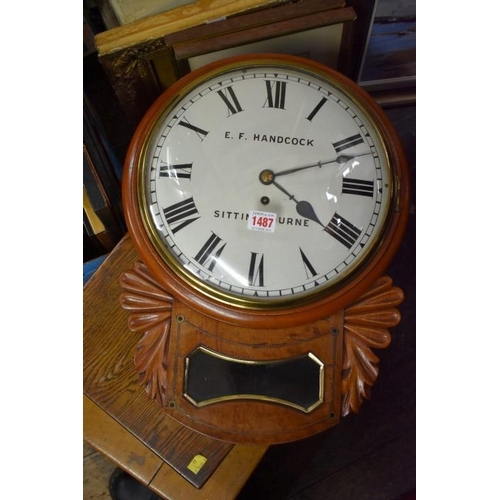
x=276 y=92
x=178 y=215
x=316 y=109
x=256 y=271
x=347 y=143
x=232 y=103
x=310 y=271
x=181 y=171
x=199 y=131
x=342 y=230
x=357 y=186
x=210 y=252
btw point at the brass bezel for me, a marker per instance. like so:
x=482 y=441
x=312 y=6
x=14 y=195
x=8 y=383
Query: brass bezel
x=264 y=303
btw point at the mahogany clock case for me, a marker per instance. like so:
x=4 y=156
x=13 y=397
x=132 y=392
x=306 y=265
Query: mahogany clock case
x=301 y=312
x=240 y=335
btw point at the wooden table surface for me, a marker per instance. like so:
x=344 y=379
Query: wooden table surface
x=132 y=430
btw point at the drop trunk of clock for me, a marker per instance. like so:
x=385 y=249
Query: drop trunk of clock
x=261 y=386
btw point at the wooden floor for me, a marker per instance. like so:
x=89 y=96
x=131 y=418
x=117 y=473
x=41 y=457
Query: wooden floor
x=369 y=456
x=96 y=472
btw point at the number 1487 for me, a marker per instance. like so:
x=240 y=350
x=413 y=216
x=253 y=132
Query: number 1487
x=261 y=221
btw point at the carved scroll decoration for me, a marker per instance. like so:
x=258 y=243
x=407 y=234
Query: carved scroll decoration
x=128 y=64
x=366 y=324
x=150 y=308
x=133 y=78
x=366 y=327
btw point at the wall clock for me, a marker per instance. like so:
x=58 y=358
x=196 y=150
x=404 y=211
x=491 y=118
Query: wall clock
x=265 y=195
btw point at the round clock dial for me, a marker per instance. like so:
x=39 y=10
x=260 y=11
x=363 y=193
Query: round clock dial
x=265 y=182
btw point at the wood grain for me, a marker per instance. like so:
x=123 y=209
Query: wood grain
x=107 y=436
x=257 y=26
x=97 y=470
x=202 y=11
x=228 y=478
x=121 y=420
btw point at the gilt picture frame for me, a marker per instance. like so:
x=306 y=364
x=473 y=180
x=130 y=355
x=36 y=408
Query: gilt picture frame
x=141 y=71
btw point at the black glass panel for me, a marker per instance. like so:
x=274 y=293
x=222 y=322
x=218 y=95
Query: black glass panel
x=295 y=382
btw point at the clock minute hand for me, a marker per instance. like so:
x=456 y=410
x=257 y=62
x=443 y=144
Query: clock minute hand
x=339 y=160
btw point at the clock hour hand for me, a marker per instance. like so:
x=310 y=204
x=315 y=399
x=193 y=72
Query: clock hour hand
x=340 y=160
x=304 y=208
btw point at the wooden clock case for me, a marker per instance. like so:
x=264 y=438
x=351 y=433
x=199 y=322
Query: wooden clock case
x=337 y=332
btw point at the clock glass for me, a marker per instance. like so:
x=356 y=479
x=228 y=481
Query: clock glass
x=264 y=183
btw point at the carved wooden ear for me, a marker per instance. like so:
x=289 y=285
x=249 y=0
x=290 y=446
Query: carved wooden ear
x=150 y=308
x=366 y=327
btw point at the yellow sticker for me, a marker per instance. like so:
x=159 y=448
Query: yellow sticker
x=197 y=463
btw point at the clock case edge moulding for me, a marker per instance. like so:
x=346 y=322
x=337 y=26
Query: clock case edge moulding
x=344 y=330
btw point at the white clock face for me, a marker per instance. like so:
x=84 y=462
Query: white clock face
x=265 y=185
